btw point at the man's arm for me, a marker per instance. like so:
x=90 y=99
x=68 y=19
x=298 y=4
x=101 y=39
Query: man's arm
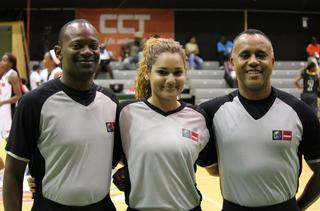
x=312 y=190
x=13 y=184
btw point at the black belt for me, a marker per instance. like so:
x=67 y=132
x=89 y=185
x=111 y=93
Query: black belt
x=197 y=208
x=290 y=205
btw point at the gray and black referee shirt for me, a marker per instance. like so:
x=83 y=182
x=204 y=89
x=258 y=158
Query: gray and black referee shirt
x=260 y=145
x=67 y=137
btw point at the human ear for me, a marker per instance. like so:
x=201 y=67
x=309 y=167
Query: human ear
x=57 y=50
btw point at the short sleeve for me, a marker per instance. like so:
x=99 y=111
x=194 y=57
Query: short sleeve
x=24 y=132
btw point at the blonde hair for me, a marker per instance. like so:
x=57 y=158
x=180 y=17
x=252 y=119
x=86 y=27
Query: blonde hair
x=151 y=50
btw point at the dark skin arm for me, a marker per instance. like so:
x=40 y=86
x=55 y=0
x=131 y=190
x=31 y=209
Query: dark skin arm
x=119 y=179
x=213 y=170
x=296 y=82
x=13 y=183
x=312 y=190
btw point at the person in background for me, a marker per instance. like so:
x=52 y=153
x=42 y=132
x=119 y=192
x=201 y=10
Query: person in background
x=193 y=51
x=160 y=172
x=261 y=134
x=310 y=77
x=132 y=51
x=106 y=56
x=313 y=49
x=64 y=131
x=34 y=77
x=224 y=47
x=51 y=63
x=10 y=93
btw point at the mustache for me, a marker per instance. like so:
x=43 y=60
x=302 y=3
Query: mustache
x=87 y=59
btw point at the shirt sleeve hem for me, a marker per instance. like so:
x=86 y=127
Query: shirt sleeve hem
x=18 y=157
x=212 y=165
x=313 y=161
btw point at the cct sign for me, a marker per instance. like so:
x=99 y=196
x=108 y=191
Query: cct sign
x=120 y=20
x=116 y=27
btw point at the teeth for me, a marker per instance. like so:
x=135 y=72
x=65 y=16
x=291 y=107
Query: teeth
x=254 y=71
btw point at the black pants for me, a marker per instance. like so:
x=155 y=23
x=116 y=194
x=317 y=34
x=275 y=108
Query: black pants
x=290 y=205
x=42 y=204
x=311 y=100
x=104 y=67
x=197 y=208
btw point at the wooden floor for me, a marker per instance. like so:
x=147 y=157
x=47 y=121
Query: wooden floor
x=208 y=185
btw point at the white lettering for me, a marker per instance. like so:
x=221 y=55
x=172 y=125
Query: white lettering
x=102 y=24
x=120 y=20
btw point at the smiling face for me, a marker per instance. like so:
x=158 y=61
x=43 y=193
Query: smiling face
x=252 y=59
x=79 y=53
x=167 y=77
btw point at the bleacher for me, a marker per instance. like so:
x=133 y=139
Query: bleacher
x=209 y=83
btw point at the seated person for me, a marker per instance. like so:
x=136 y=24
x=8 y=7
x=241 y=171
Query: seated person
x=192 y=51
x=224 y=48
x=105 y=57
x=132 y=51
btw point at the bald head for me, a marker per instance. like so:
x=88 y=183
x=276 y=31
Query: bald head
x=73 y=25
x=251 y=32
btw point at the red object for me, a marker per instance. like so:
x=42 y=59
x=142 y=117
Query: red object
x=194 y=136
x=287 y=135
x=312 y=49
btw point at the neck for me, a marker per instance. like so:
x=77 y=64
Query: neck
x=164 y=105
x=258 y=94
x=77 y=84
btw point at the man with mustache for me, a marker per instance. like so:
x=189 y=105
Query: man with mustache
x=64 y=132
x=261 y=134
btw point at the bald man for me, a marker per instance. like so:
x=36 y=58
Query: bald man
x=61 y=131
x=261 y=134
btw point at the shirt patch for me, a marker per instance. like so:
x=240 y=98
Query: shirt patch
x=282 y=135
x=110 y=126
x=190 y=134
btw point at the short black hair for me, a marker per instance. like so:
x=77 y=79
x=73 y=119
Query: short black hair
x=252 y=32
x=64 y=27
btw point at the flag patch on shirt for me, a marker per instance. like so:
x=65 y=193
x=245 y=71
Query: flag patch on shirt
x=110 y=126
x=190 y=134
x=282 y=135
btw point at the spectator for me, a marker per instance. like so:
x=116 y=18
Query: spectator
x=34 y=77
x=132 y=51
x=313 y=49
x=192 y=51
x=224 y=48
x=106 y=57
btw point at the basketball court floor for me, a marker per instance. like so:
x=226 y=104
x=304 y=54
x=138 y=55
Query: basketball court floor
x=208 y=185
